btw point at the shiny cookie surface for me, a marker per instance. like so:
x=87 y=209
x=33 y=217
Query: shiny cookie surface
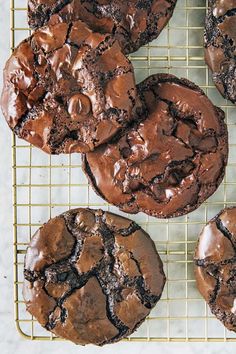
x=134 y=22
x=68 y=89
x=215 y=266
x=220 y=44
x=91 y=276
x=169 y=163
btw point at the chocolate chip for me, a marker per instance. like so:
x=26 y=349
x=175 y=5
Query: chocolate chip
x=58 y=102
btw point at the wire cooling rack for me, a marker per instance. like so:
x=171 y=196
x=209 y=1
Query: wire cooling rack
x=44 y=186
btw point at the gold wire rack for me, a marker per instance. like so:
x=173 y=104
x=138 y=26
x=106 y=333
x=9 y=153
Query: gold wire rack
x=44 y=186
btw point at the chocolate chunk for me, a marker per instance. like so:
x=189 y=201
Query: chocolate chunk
x=170 y=162
x=68 y=89
x=92 y=276
x=134 y=22
x=215 y=266
x=220 y=45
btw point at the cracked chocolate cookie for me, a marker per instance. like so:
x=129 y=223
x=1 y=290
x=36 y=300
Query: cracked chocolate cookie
x=220 y=45
x=68 y=89
x=215 y=266
x=170 y=163
x=134 y=22
x=91 y=276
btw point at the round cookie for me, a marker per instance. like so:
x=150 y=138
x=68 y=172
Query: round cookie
x=134 y=22
x=91 y=276
x=170 y=163
x=220 y=44
x=68 y=89
x=215 y=266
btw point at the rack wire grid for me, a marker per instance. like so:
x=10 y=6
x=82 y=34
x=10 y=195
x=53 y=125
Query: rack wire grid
x=44 y=186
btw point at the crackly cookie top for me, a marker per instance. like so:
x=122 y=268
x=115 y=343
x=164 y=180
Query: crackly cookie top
x=215 y=266
x=68 y=89
x=172 y=161
x=220 y=45
x=134 y=22
x=91 y=276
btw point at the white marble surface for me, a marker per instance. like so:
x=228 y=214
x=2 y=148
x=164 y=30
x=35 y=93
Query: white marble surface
x=10 y=340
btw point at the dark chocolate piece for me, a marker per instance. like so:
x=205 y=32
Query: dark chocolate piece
x=171 y=162
x=92 y=276
x=215 y=266
x=220 y=45
x=134 y=22
x=68 y=89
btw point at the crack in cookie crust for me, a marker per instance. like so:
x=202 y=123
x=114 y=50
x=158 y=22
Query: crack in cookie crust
x=89 y=276
x=220 y=46
x=68 y=89
x=170 y=162
x=134 y=23
x=215 y=266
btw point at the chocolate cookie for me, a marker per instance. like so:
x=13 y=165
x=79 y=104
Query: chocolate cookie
x=91 y=276
x=68 y=89
x=171 y=162
x=215 y=268
x=220 y=45
x=134 y=22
